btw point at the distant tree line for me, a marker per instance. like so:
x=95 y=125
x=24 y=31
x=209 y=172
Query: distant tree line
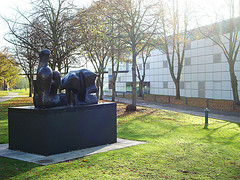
x=110 y=32
x=9 y=71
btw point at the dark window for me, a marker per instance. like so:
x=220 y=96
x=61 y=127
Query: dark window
x=201 y=89
x=201 y=85
x=216 y=40
x=217 y=58
x=201 y=93
x=140 y=66
x=146 y=87
x=147 y=65
x=187 y=61
x=165 y=84
x=165 y=64
x=181 y=85
x=226 y=27
x=188 y=46
x=128 y=86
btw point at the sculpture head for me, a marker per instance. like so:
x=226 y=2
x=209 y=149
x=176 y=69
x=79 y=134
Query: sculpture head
x=44 y=58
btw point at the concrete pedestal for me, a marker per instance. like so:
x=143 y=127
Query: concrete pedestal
x=61 y=129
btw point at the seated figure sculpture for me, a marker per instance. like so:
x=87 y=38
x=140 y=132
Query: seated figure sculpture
x=78 y=84
x=47 y=84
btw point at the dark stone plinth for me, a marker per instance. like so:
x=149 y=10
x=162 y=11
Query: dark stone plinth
x=61 y=129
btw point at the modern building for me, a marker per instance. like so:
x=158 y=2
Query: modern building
x=205 y=73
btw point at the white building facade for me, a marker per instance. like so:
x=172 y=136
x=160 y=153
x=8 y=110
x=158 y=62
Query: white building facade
x=205 y=73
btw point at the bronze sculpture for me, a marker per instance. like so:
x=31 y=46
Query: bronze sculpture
x=78 y=84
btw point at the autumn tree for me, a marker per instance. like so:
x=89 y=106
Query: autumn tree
x=9 y=71
x=119 y=51
x=96 y=45
x=174 y=36
x=137 y=23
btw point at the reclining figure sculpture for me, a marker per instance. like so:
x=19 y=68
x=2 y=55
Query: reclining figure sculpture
x=78 y=85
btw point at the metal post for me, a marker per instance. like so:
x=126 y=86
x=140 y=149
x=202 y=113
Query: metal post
x=206 y=116
x=169 y=99
x=233 y=105
x=155 y=98
x=207 y=103
x=186 y=101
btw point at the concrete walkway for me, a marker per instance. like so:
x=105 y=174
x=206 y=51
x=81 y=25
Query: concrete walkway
x=216 y=114
x=9 y=96
x=52 y=159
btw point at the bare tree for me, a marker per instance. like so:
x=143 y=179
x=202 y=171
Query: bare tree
x=136 y=20
x=56 y=25
x=173 y=37
x=225 y=34
x=27 y=60
x=119 y=51
x=144 y=55
x=26 y=55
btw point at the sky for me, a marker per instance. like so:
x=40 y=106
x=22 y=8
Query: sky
x=8 y=9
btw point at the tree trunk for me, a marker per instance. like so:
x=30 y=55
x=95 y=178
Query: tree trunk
x=177 y=85
x=98 y=87
x=113 y=81
x=134 y=92
x=234 y=84
x=113 y=92
x=140 y=94
x=30 y=82
x=59 y=67
x=101 y=87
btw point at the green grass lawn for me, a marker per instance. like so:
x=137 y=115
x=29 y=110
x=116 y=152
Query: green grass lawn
x=178 y=147
x=3 y=93
x=21 y=91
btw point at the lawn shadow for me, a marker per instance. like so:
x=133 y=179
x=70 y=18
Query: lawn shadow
x=225 y=140
x=12 y=167
x=144 y=133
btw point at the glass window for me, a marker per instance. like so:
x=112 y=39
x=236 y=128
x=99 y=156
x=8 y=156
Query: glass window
x=187 y=61
x=146 y=87
x=128 y=86
x=188 y=46
x=201 y=85
x=165 y=85
x=181 y=85
x=140 y=66
x=147 y=65
x=165 y=64
x=217 y=58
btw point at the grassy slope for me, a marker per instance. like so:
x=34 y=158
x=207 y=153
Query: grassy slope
x=177 y=148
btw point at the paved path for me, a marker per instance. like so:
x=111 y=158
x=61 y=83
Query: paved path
x=9 y=96
x=216 y=114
